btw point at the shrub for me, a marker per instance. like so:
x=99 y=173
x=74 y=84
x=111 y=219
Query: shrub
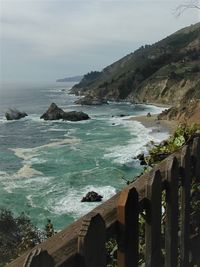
x=18 y=234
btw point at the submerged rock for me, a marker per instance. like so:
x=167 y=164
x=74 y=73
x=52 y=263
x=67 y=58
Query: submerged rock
x=88 y=100
x=14 y=114
x=56 y=113
x=92 y=197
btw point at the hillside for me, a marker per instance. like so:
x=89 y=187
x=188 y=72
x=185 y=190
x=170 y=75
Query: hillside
x=166 y=72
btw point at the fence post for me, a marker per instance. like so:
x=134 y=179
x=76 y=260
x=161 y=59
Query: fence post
x=185 y=206
x=153 y=220
x=38 y=258
x=128 y=236
x=171 y=223
x=196 y=157
x=91 y=241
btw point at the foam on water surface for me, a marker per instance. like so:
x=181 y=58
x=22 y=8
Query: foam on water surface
x=71 y=203
x=48 y=166
x=124 y=154
x=27 y=172
x=29 y=153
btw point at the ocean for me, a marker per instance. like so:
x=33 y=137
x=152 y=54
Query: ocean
x=46 y=167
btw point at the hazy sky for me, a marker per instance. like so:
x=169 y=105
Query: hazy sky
x=46 y=40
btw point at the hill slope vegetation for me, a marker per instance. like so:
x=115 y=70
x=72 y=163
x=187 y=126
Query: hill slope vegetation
x=167 y=72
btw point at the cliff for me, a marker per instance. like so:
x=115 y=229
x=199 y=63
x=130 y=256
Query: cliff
x=167 y=72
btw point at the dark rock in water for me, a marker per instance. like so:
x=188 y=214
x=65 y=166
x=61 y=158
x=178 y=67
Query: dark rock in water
x=92 y=197
x=14 y=114
x=56 y=113
x=75 y=116
x=123 y=115
x=88 y=100
x=148 y=114
x=53 y=113
x=120 y=115
x=141 y=158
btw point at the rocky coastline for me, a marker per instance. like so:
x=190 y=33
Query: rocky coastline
x=164 y=73
x=91 y=101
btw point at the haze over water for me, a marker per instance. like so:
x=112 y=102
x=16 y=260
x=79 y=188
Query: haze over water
x=46 y=167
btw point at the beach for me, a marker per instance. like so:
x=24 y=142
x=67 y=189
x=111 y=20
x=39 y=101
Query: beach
x=157 y=125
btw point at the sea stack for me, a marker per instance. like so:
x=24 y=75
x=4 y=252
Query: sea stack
x=56 y=113
x=14 y=114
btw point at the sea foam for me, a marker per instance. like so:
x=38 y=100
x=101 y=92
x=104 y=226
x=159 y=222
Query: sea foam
x=29 y=153
x=124 y=154
x=27 y=172
x=71 y=203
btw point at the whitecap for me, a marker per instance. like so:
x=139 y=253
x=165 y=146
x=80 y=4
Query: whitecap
x=3 y=175
x=70 y=132
x=71 y=203
x=2 y=120
x=26 y=171
x=124 y=154
x=35 y=118
x=30 y=201
x=37 y=160
x=78 y=122
x=15 y=182
x=56 y=130
x=9 y=186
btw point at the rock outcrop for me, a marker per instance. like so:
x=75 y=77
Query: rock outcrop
x=141 y=158
x=14 y=114
x=56 y=113
x=92 y=197
x=185 y=112
x=88 y=100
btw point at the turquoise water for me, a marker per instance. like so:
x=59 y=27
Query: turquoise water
x=46 y=167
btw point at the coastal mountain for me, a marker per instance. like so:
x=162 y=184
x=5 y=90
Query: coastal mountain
x=167 y=72
x=71 y=79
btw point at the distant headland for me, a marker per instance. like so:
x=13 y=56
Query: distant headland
x=71 y=79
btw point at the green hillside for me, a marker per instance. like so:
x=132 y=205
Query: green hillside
x=160 y=73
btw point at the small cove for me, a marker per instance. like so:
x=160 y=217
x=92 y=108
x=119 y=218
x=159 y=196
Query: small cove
x=46 y=167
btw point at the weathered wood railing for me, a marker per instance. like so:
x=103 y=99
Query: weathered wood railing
x=167 y=243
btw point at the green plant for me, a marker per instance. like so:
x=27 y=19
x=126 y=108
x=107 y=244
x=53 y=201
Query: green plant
x=181 y=136
x=111 y=249
x=18 y=234
x=49 y=229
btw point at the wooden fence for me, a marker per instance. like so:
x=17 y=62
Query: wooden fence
x=168 y=241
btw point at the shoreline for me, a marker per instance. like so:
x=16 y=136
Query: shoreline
x=159 y=105
x=158 y=125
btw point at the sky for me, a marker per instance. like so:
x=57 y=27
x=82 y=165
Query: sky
x=43 y=40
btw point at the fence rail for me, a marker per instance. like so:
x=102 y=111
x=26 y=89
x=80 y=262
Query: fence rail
x=168 y=239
